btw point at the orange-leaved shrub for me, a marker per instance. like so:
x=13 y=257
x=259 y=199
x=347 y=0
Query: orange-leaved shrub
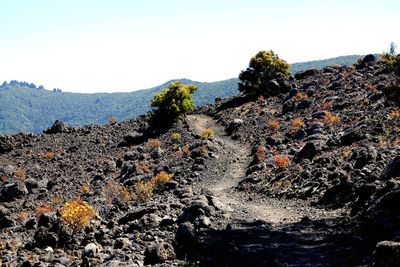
x=153 y=143
x=282 y=162
x=297 y=123
x=331 y=118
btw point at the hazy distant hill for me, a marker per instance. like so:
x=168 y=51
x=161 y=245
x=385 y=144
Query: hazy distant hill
x=25 y=108
x=319 y=64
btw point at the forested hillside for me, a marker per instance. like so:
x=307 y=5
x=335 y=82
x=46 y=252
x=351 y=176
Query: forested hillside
x=27 y=108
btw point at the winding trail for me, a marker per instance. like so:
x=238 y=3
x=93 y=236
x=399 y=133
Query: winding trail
x=301 y=234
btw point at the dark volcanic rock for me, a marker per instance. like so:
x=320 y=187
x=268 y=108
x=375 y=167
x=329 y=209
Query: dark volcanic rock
x=132 y=138
x=306 y=73
x=393 y=169
x=6 y=221
x=57 y=127
x=13 y=191
x=135 y=215
x=5 y=145
x=159 y=253
x=307 y=152
x=186 y=237
x=387 y=254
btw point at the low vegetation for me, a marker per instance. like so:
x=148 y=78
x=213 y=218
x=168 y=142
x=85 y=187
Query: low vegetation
x=392 y=90
x=77 y=214
x=144 y=190
x=207 y=133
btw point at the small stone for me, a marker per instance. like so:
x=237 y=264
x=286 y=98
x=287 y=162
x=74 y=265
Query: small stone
x=122 y=242
x=31 y=184
x=91 y=250
x=49 y=249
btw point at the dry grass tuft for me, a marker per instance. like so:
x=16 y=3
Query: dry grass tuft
x=20 y=174
x=273 y=125
x=42 y=209
x=300 y=96
x=144 y=190
x=176 y=137
x=161 y=178
x=207 y=133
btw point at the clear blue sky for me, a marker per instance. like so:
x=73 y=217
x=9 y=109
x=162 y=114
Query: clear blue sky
x=124 y=45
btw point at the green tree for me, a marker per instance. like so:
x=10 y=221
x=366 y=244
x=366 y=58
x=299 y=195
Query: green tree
x=263 y=67
x=171 y=104
x=392 y=90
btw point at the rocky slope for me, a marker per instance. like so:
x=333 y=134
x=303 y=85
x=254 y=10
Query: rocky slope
x=264 y=190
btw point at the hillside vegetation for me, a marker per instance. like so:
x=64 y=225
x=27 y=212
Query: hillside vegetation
x=289 y=179
x=27 y=108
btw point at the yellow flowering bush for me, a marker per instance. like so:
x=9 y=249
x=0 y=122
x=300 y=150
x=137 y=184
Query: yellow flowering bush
x=77 y=214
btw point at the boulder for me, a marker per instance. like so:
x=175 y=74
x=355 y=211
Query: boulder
x=393 y=168
x=5 y=145
x=132 y=138
x=90 y=250
x=57 y=127
x=159 y=253
x=13 y=191
x=308 y=151
x=186 y=236
x=306 y=73
x=387 y=254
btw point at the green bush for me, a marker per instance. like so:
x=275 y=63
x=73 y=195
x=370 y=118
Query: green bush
x=263 y=67
x=392 y=93
x=392 y=90
x=171 y=104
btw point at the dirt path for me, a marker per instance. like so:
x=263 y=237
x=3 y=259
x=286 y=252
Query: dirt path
x=300 y=232
x=272 y=211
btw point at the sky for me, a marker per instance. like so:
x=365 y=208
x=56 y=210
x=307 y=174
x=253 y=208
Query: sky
x=125 y=45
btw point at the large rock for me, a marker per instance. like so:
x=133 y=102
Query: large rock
x=393 y=168
x=351 y=136
x=387 y=254
x=363 y=156
x=135 y=215
x=57 y=127
x=306 y=73
x=6 y=221
x=159 y=253
x=308 y=151
x=132 y=138
x=5 y=145
x=13 y=191
x=186 y=237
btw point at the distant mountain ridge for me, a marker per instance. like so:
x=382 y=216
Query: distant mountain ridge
x=27 y=108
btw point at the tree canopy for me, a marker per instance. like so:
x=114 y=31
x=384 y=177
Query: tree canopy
x=171 y=104
x=263 y=67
